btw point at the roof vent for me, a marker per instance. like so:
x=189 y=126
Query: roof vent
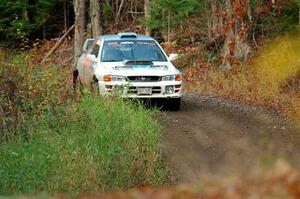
x=127 y=35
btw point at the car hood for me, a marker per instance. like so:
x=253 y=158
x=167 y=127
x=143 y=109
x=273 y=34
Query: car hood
x=157 y=69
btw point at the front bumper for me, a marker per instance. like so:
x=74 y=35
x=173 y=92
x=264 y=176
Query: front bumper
x=130 y=90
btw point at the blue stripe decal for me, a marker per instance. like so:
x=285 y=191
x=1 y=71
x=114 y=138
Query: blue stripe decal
x=141 y=66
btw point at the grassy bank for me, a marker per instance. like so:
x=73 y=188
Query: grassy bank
x=56 y=143
x=95 y=145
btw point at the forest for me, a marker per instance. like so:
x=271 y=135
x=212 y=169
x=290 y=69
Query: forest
x=57 y=137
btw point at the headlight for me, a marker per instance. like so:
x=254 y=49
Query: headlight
x=176 y=77
x=168 y=78
x=117 y=78
x=114 y=78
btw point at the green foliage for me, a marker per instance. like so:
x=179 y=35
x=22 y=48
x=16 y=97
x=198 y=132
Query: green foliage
x=290 y=16
x=20 y=18
x=26 y=92
x=93 y=145
x=178 y=10
x=297 y=1
x=107 y=9
x=51 y=143
x=283 y=22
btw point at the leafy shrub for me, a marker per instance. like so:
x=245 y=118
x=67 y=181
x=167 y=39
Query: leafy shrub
x=26 y=91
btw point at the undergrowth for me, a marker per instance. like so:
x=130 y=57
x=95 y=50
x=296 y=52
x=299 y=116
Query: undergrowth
x=272 y=79
x=93 y=145
x=27 y=91
x=54 y=143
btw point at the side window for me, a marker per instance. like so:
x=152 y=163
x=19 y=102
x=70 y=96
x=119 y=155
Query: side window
x=95 y=50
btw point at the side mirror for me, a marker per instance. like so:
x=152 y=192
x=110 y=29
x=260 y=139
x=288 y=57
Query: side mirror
x=87 y=44
x=92 y=58
x=173 y=57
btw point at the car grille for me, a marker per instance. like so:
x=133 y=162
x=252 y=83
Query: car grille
x=144 y=78
x=133 y=90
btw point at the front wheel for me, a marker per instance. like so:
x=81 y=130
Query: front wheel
x=77 y=83
x=174 y=104
x=94 y=86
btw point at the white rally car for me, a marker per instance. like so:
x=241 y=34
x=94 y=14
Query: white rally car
x=135 y=63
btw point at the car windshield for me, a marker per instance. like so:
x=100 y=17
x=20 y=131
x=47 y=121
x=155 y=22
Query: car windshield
x=114 y=51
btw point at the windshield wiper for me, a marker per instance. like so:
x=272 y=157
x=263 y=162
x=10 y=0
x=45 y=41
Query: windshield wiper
x=111 y=60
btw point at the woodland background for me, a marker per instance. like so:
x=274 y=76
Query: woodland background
x=230 y=29
x=247 y=50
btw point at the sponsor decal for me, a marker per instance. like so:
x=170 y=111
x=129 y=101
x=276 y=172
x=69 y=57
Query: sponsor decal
x=146 y=43
x=86 y=62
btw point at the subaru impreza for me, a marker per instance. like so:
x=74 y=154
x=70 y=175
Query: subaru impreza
x=133 y=63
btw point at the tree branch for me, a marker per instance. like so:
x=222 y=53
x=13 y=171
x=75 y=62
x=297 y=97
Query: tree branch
x=58 y=43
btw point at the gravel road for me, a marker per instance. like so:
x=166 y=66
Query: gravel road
x=215 y=137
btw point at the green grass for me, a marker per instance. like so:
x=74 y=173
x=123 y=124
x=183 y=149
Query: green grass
x=95 y=144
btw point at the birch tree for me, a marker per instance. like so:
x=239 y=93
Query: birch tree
x=79 y=10
x=146 y=10
x=95 y=15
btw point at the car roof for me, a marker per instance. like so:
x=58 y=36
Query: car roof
x=125 y=36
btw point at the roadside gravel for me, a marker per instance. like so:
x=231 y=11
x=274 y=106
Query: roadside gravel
x=213 y=136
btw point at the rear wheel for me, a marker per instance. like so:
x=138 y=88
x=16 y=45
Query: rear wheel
x=174 y=104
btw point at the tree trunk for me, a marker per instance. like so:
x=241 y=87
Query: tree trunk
x=44 y=32
x=65 y=15
x=58 y=43
x=209 y=21
x=79 y=10
x=95 y=14
x=119 y=11
x=236 y=46
x=169 y=25
x=25 y=11
x=147 y=15
x=228 y=48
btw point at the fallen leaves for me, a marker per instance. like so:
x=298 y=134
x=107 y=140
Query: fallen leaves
x=281 y=181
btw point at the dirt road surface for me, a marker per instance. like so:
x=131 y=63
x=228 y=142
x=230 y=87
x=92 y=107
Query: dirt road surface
x=215 y=137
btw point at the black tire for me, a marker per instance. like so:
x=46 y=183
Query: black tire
x=94 y=85
x=174 y=104
x=75 y=79
x=77 y=84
